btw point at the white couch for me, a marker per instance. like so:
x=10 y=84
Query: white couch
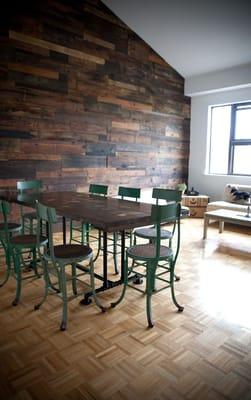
x=229 y=201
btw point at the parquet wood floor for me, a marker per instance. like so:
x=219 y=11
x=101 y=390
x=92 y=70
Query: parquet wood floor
x=203 y=353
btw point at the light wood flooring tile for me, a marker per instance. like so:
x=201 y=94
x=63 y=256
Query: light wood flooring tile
x=203 y=353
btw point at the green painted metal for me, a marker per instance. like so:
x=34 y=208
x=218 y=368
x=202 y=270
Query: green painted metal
x=150 y=255
x=129 y=192
x=125 y=193
x=166 y=194
x=34 y=185
x=7 y=230
x=15 y=247
x=55 y=266
x=29 y=218
x=80 y=231
x=98 y=189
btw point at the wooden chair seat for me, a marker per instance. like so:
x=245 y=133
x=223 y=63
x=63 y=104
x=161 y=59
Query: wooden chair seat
x=27 y=240
x=72 y=251
x=30 y=215
x=148 y=251
x=151 y=233
x=11 y=226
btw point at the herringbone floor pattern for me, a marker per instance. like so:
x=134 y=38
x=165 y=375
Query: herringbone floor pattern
x=203 y=353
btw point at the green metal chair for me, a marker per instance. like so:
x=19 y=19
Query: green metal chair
x=150 y=233
x=125 y=193
x=55 y=259
x=10 y=229
x=29 y=219
x=169 y=195
x=80 y=231
x=148 y=256
x=14 y=247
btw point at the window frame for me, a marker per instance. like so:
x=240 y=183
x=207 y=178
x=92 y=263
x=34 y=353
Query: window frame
x=232 y=137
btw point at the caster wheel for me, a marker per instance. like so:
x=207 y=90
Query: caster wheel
x=85 y=301
x=180 y=309
x=36 y=307
x=15 y=303
x=137 y=280
x=63 y=326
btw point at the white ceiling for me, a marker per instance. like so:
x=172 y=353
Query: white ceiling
x=193 y=36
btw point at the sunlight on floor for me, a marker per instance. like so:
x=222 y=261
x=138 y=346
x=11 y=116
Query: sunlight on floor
x=225 y=293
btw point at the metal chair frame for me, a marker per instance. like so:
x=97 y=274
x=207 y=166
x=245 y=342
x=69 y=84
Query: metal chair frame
x=55 y=259
x=150 y=255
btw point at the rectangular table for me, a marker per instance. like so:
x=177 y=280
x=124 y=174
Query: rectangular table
x=105 y=213
x=221 y=215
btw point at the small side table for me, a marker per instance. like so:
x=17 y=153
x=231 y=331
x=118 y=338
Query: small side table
x=197 y=204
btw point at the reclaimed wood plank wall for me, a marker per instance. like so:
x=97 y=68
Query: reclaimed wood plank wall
x=84 y=99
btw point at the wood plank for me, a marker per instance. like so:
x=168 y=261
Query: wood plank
x=55 y=47
x=96 y=40
x=27 y=69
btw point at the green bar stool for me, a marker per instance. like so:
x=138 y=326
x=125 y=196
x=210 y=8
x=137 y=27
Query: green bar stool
x=150 y=233
x=56 y=258
x=148 y=256
x=80 y=231
x=29 y=219
x=14 y=247
x=125 y=193
x=9 y=229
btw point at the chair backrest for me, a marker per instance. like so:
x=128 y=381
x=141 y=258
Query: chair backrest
x=166 y=213
x=129 y=192
x=102 y=190
x=166 y=194
x=46 y=215
x=34 y=185
x=5 y=209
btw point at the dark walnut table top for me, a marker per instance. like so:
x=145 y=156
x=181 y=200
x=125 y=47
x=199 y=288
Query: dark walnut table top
x=107 y=213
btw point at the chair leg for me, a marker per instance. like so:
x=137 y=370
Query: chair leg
x=71 y=231
x=125 y=273
x=74 y=279
x=8 y=265
x=150 y=281
x=92 y=279
x=22 y=222
x=115 y=258
x=99 y=244
x=84 y=234
x=46 y=284
x=172 y=276
x=18 y=274
x=64 y=298
x=31 y=227
x=34 y=262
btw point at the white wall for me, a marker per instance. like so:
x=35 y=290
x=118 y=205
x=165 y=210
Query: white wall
x=232 y=78
x=204 y=183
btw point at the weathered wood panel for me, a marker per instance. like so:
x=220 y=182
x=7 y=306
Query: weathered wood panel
x=83 y=99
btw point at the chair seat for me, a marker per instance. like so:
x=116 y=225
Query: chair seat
x=148 y=252
x=151 y=233
x=30 y=215
x=11 y=226
x=27 y=240
x=67 y=251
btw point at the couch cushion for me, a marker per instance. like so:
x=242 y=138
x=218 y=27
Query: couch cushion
x=238 y=194
x=216 y=205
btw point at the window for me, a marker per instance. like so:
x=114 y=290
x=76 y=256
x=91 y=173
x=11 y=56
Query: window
x=230 y=139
